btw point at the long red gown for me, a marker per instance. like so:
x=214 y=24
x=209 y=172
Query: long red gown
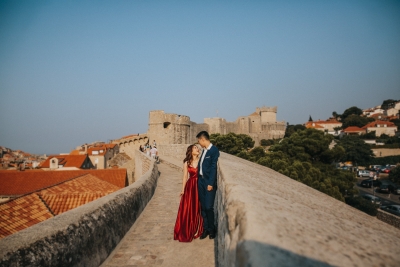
x=189 y=223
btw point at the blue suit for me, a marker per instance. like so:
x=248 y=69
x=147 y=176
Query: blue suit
x=209 y=177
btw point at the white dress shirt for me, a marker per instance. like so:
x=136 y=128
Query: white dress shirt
x=202 y=158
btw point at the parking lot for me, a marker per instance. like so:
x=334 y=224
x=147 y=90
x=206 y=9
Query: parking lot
x=387 y=199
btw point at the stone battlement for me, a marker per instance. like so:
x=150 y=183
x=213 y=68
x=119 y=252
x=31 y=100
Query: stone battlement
x=267 y=109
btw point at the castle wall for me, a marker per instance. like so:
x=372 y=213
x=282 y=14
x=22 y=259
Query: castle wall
x=130 y=144
x=169 y=128
x=177 y=129
x=216 y=125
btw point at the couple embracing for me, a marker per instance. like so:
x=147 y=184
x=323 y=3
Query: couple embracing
x=196 y=210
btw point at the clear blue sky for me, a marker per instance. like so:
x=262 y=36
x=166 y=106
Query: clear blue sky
x=73 y=72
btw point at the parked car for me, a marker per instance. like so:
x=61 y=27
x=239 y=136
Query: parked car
x=363 y=173
x=370 y=182
x=387 y=170
x=394 y=209
x=388 y=187
x=373 y=199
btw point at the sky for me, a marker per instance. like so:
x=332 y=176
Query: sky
x=74 y=72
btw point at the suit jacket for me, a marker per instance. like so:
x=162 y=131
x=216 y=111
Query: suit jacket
x=209 y=165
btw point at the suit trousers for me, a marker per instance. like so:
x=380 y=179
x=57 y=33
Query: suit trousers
x=207 y=204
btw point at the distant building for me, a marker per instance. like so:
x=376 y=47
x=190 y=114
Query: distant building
x=327 y=126
x=381 y=127
x=67 y=162
x=354 y=130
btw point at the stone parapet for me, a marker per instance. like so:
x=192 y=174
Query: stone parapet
x=84 y=236
x=268 y=219
x=173 y=151
x=388 y=218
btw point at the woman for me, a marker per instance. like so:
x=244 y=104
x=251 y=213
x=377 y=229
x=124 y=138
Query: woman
x=189 y=223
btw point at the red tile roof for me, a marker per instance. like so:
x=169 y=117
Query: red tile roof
x=75 y=193
x=353 y=129
x=380 y=123
x=14 y=183
x=22 y=213
x=65 y=160
x=33 y=208
x=311 y=124
x=65 y=202
x=87 y=183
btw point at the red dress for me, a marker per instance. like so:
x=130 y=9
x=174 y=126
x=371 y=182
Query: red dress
x=189 y=223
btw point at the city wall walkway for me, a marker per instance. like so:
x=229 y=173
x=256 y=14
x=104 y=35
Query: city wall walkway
x=150 y=242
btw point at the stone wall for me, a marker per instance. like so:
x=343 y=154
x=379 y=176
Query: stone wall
x=84 y=236
x=142 y=163
x=388 y=218
x=173 y=151
x=268 y=219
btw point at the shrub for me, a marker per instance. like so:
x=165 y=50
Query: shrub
x=363 y=205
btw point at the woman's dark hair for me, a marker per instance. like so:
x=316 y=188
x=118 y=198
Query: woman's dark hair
x=189 y=156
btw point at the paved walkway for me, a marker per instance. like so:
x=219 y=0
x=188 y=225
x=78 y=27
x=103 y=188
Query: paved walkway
x=150 y=242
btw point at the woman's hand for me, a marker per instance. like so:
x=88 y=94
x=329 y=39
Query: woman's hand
x=181 y=193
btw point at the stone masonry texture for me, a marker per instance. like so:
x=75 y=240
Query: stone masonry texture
x=150 y=240
x=268 y=219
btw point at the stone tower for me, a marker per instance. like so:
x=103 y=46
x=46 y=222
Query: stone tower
x=268 y=114
x=168 y=128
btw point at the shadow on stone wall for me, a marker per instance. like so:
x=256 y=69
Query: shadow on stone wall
x=268 y=255
x=84 y=236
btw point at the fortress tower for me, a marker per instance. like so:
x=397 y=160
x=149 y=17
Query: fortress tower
x=268 y=114
x=168 y=128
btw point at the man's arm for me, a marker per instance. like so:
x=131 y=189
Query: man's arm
x=213 y=168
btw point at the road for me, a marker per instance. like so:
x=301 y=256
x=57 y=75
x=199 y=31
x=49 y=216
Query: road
x=387 y=199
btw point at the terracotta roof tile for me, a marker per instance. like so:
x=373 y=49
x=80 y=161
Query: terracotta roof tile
x=65 y=160
x=380 y=123
x=87 y=183
x=22 y=213
x=65 y=202
x=353 y=129
x=14 y=183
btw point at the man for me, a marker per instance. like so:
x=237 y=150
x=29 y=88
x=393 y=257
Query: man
x=207 y=183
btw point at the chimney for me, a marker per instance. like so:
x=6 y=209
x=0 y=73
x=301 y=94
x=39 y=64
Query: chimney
x=86 y=149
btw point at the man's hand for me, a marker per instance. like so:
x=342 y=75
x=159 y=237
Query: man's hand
x=209 y=188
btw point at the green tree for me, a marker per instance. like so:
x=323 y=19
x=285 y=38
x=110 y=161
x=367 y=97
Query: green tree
x=268 y=142
x=370 y=135
x=355 y=120
x=306 y=145
x=396 y=122
x=394 y=175
x=351 y=111
x=232 y=143
x=363 y=205
x=290 y=129
x=389 y=103
x=357 y=150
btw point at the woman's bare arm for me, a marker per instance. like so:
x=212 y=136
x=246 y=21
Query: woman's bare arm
x=185 y=177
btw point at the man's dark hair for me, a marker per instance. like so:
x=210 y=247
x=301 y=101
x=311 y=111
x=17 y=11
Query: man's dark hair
x=203 y=134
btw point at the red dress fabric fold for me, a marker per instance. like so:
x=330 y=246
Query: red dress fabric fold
x=189 y=223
